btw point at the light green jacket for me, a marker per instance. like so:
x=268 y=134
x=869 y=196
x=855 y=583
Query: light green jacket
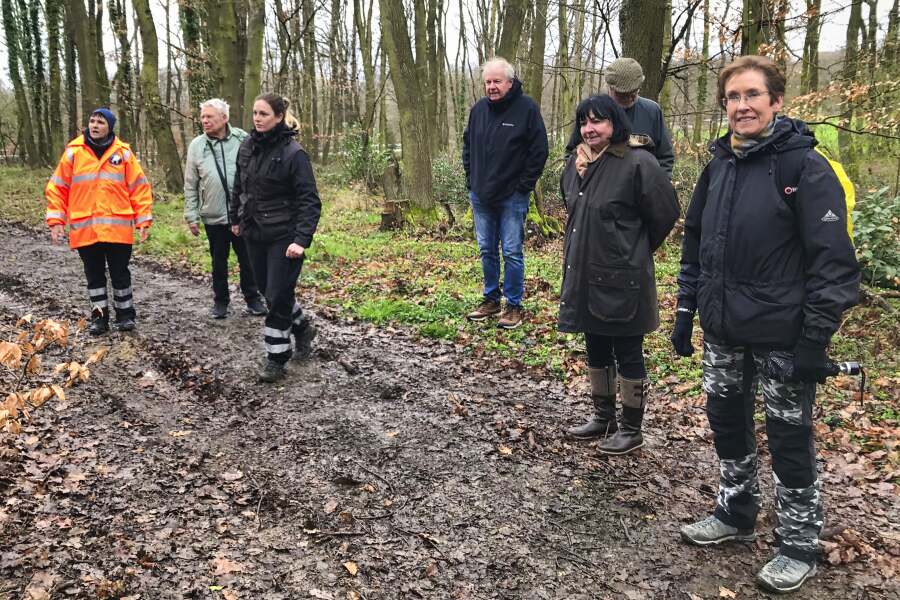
x=204 y=197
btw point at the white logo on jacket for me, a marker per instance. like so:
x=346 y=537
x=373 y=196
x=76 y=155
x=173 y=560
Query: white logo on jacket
x=115 y=159
x=830 y=217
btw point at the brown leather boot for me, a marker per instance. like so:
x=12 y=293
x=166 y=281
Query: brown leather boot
x=603 y=394
x=634 y=401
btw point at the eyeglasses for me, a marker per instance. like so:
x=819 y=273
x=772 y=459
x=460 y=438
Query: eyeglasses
x=748 y=98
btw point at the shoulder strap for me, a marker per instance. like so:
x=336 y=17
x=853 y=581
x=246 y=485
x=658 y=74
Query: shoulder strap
x=788 y=167
x=219 y=170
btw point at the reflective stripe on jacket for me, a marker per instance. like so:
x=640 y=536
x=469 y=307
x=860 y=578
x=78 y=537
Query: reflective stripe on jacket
x=102 y=199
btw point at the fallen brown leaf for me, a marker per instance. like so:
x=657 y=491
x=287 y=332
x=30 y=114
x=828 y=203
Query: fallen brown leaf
x=224 y=566
x=10 y=355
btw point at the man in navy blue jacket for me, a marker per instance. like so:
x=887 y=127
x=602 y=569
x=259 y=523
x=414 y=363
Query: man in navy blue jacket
x=504 y=151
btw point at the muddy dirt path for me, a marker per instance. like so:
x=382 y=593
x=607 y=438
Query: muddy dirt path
x=384 y=467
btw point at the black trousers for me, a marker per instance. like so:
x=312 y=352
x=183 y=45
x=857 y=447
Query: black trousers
x=626 y=352
x=278 y=275
x=96 y=258
x=221 y=241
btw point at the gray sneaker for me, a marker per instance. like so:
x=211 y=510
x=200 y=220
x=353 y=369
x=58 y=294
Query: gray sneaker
x=713 y=531
x=784 y=574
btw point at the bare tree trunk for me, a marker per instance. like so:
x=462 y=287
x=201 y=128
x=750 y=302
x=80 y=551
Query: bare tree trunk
x=13 y=34
x=71 y=86
x=310 y=91
x=703 y=79
x=197 y=70
x=752 y=20
x=225 y=58
x=665 y=92
x=892 y=37
x=363 y=22
x=167 y=9
x=642 y=26
x=872 y=38
x=94 y=84
x=252 y=79
x=563 y=74
x=387 y=136
x=809 y=69
x=443 y=121
x=513 y=19
x=413 y=122
x=855 y=28
x=157 y=113
x=577 y=88
x=534 y=72
x=40 y=90
x=124 y=79
x=54 y=107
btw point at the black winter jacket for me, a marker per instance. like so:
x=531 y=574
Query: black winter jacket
x=504 y=146
x=761 y=272
x=275 y=195
x=620 y=212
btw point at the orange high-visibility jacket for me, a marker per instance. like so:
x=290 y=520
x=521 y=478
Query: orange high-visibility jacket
x=102 y=200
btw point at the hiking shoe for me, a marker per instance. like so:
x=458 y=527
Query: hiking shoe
x=99 y=324
x=511 y=318
x=257 y=307
x=272 y=372
x=219 y=310
x=126 y=324
x=303 y=341
x=784 y=574
x=713 y=531
x=487 y=308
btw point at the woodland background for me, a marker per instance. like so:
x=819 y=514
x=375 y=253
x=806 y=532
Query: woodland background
x=343 y=479
x=374 y=79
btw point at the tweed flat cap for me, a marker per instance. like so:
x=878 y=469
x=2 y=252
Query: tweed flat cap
x=624 y=75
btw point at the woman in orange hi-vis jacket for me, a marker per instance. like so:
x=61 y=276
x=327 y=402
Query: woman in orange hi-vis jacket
x=100 y=190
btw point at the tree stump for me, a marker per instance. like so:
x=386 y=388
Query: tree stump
x=392 y=209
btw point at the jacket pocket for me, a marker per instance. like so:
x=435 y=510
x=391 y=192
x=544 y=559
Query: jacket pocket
x=273 y=213
x=614 y=294
x=212 y=203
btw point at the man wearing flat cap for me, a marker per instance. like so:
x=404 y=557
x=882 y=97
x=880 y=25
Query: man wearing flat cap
x=624 y=77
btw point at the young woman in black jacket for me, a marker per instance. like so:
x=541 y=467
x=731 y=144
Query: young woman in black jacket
x=275 y=207
x=621 y=207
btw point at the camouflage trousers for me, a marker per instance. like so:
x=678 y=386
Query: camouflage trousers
x=731 y=377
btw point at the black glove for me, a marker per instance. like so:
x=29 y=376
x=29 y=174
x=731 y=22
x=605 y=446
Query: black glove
x=681 y=335
x=809 y=361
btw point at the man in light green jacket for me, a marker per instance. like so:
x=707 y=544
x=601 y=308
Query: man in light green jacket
x=208 y=180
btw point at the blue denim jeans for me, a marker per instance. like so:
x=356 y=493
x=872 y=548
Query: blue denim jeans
x=502 y=224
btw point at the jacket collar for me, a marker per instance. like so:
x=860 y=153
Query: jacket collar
x=618 y=149
x=514 y=92
x=117 y=144
x=228 y=134
x=788 y=135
